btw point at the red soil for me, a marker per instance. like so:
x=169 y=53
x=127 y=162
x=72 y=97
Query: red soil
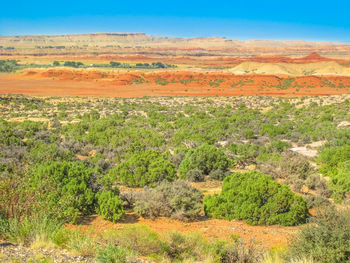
x=62 y=82
x=266 y=236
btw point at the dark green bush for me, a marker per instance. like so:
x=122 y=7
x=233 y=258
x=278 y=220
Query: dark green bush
x=178 y=200
x=64 y=188
x=144 y=168
x=195 y=175
x=73 y=64
x=205 y=158
x=219 y=174
x=325 y=239
x=257 y=199
x=109 y=206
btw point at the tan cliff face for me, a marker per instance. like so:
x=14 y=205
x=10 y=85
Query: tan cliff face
x=205 y=66
x=140 y=43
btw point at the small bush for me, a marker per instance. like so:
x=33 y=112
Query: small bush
x=129 y=198
x=109 y=206
x=313 y=181
x=240 y=252
x=177 y=200
x=325 y=239
x=295 y=164
x=258 y=199
x=204 y=158
x=195 y=175
x=144 y=168
x=219 y=174
x=112 y=254
x=316 y=201
x=340 y=182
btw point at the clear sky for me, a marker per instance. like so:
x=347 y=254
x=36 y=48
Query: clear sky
x=243 y=20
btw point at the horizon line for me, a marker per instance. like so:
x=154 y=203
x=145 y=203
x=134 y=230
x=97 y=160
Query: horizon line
x=156 y=35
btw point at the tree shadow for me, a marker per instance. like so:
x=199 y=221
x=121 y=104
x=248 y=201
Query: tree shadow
x=7 y=244
x=130 y=218
x=86 y=220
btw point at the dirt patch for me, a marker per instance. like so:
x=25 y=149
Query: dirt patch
x=267 y=236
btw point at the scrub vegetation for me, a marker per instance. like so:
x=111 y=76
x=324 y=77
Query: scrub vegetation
x=277 y=161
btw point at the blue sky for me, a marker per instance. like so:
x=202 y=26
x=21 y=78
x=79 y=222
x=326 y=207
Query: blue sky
x=269 y=19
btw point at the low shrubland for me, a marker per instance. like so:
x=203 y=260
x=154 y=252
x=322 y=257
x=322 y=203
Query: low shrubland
x=73 y=164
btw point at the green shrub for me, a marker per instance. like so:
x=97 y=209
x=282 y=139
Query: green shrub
x=257 y=199
x=219 y=174
x=109 y=206
x=325 y=239
x=340 y=182
x=205 y=158
x=238 y=251
x=144 y=168
x=178 y=200
x=279 y=146
x=295 y=164
x=111 y=254
x=195 y=175
x=245 y=153
x=64 y=189
x=330 y=157
x=315 y=201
